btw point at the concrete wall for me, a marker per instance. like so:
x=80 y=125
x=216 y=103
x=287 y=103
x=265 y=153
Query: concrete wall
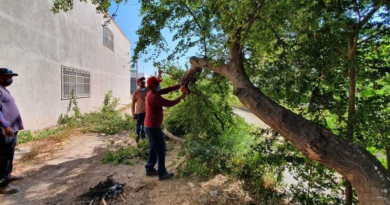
x=35 y=43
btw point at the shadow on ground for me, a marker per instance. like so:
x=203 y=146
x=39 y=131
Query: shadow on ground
x=77 y=167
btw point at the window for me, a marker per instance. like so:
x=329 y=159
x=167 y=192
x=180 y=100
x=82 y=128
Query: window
x=76 y=80
x=108 y=38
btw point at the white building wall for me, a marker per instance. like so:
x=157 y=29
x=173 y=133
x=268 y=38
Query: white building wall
x=35 y=43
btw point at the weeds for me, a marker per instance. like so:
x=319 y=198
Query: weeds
x=107 y=120
x=122 y=155
x=25 y=136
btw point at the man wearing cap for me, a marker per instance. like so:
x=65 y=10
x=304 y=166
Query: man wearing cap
x=138 y=106
x=11 y=123
x=153 y=121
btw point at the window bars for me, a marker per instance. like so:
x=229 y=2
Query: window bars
x=108 y=38
x=75 y=80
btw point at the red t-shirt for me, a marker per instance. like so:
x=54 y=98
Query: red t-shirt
x=154 y=106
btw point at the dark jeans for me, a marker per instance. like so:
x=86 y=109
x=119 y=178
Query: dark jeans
x=157 y=150
x=140 y=125
x=7 y=150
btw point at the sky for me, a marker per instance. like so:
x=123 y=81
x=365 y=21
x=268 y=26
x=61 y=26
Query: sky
x=129 y=21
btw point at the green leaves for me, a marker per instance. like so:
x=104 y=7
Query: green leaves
x=64 y=5
x=296 y=52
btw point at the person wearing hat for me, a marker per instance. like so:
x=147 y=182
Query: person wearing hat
x=10 y=123
x=153 y=121
x=138 y=106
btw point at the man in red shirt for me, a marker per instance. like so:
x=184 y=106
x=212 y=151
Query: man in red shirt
x=153 y=121
x=138 y=106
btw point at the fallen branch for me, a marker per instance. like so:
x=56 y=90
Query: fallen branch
x=170 y=135
x=123 y=198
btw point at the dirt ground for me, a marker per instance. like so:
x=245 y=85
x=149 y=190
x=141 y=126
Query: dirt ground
x=62 y=170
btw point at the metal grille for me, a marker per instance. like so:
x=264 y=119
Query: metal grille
x=75 y=80
x=108 y=38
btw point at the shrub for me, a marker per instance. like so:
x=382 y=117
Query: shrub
x=107 y=120
x=25 y=136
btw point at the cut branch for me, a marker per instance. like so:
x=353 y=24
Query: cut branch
x=197 y=65
x=173 y=137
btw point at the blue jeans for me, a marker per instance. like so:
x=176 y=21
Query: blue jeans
x=157 y=150
x=140 y=125
x=7 y=151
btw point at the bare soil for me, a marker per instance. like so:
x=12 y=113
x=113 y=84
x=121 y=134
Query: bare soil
x=59 y=171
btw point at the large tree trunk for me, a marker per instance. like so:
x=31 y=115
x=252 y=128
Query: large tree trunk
x=352 y=48
x=388 y=157
x=367 y=175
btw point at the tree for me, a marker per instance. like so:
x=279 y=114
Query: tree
x=233 y=33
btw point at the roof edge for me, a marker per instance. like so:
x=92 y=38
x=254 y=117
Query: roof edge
x=112 y=19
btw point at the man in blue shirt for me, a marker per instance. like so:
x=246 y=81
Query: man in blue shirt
x=10 y=124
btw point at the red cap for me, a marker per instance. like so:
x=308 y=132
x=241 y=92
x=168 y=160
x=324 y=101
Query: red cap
x=153 y=81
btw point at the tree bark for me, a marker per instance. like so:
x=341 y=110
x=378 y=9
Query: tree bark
x=352 y=48
x=348 y=193
x=388 y=157
x=173 y=137
x=370 y=179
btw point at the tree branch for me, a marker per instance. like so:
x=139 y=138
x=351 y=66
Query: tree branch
x=111 y=17
x=200 y=27
x=278 y=37
x=170 y=135
x=368 y=16
x=253 y=18
x=197 y=65
x=368 y=39
x=379 y=32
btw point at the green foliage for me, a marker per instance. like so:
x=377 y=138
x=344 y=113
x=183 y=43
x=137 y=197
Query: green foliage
x=297 y=53
x=73 y=105
x=122 y=155
x=119 y=156
x=25 y=136
x=207 y=113
x=107 y=120
x=241 y=152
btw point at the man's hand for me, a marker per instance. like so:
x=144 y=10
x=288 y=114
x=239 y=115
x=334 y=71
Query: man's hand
x=8 y=132
x=183 y=96
x=134 y=119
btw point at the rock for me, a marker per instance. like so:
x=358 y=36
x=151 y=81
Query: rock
x=214 y=193
x=192 y=185
x=130 y=175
